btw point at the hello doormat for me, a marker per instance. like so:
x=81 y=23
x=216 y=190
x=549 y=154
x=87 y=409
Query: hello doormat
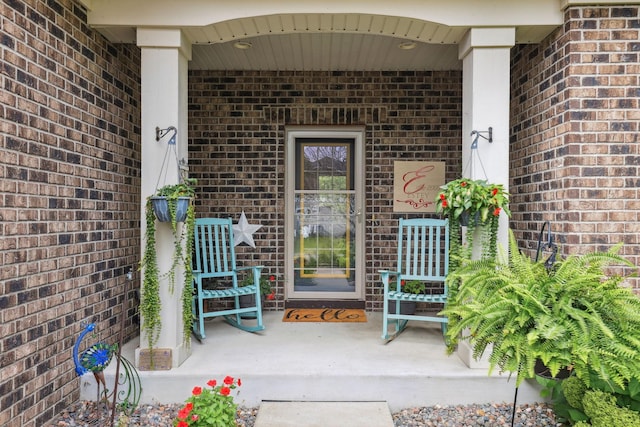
x=324 y=315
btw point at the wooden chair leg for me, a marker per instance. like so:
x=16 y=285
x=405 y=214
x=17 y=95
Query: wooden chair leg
x=199 y=321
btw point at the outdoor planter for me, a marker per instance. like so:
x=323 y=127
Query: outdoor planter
x=162 y=208
x=406 y=307
x=249 y=301
x=266 y=292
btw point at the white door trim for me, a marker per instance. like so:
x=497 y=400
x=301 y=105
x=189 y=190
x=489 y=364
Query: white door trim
x=352 y=132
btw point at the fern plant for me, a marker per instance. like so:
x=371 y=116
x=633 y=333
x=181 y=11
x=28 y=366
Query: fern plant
x=572 y=316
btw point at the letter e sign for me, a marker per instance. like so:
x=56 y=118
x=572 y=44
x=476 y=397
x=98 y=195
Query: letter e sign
x=416 y=185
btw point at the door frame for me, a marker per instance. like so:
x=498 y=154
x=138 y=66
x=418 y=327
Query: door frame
x=351 y=132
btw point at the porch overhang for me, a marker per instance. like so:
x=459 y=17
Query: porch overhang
x=330 y=35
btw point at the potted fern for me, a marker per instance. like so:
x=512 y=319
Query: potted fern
x=183 y=244
x=573 y=315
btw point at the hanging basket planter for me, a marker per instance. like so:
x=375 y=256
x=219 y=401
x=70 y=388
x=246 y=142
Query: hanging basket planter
x=162 y=208
x=170 y=204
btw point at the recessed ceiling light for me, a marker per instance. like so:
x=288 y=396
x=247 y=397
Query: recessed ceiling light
x=407 y=45
x=242 y=45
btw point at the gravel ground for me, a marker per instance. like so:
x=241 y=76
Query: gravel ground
x=540 y=415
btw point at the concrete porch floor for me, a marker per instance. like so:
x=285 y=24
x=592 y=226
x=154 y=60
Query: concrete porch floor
x=339 y=362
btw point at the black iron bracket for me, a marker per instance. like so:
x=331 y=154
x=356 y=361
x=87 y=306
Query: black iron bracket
x=161 y=133
x=481 y=133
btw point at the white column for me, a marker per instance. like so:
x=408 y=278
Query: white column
x=486 y=58
x=164 y=60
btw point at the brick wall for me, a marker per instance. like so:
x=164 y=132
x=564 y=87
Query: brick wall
x=236 y=133
x=69 y=198
x=575 y=122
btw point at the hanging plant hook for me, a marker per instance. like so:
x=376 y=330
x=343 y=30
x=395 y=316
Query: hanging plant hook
x=479 y=133
x=161 y=133
x=171 y=146
x=474 y=146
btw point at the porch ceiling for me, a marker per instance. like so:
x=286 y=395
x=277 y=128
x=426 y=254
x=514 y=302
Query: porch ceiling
x=330 y=41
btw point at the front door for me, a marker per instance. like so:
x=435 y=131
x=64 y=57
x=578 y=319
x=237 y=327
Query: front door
x=324 y=214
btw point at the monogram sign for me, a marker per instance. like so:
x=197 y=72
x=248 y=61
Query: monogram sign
x=416 y=186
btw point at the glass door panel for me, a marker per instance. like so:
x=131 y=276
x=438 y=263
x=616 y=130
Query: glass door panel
x=324 y=248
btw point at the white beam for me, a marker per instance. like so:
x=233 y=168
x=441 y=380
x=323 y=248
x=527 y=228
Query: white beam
x=485 y=54
x=205 y=12
x=164 y=58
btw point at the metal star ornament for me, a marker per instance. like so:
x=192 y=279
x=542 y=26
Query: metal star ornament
x=243 y=232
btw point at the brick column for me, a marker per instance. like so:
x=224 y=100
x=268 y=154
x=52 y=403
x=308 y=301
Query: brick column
x=485 y=55
x=164 y=58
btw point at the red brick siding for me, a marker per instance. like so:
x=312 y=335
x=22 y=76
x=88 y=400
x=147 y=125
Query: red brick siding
x=69 y=198
x=574 y=140
x=236 y=131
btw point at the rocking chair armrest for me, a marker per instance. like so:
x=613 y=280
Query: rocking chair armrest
x=251 y=271
x=389 y=272
x=384 y=276
x=260 y=267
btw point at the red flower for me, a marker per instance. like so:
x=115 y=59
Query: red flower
x=463 y=184
x=442 y=196
x=228 y=380
x=444 y=204
x=183 y=413
x=211 y=383
x=195 y=417
x=496 y=212
x=182 y=424
x=188 y=406
x=239 y=382
x=272 y=278
x=225 y=391
x=197 y=391
x=271 y=296
x=494 y=191
x=402 y=283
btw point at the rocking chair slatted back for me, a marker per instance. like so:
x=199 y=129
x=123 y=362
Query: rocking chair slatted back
x=421 y=249
x=215 y=259
x=423 y=255
x=213 y=242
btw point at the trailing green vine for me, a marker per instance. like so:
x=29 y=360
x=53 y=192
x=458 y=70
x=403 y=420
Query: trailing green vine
x=150 y=304
x=187 y=289
x=150 y=295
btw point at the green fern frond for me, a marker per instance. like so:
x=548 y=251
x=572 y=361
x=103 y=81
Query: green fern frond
x=574 y=315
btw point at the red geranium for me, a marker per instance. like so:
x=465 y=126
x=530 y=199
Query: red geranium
x=209 y=404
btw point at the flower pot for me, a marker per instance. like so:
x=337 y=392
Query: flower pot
x=541 y=370
x=161 y=208
x=406 y=307
x=249 y=301
x=465 y=217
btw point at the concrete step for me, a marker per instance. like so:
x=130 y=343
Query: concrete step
x=324 y=414
x=326 y=362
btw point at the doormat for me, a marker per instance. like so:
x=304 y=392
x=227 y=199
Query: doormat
x=324 y=315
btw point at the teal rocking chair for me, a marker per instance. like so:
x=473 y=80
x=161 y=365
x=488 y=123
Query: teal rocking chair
x=215 y=259
x=423 y=255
